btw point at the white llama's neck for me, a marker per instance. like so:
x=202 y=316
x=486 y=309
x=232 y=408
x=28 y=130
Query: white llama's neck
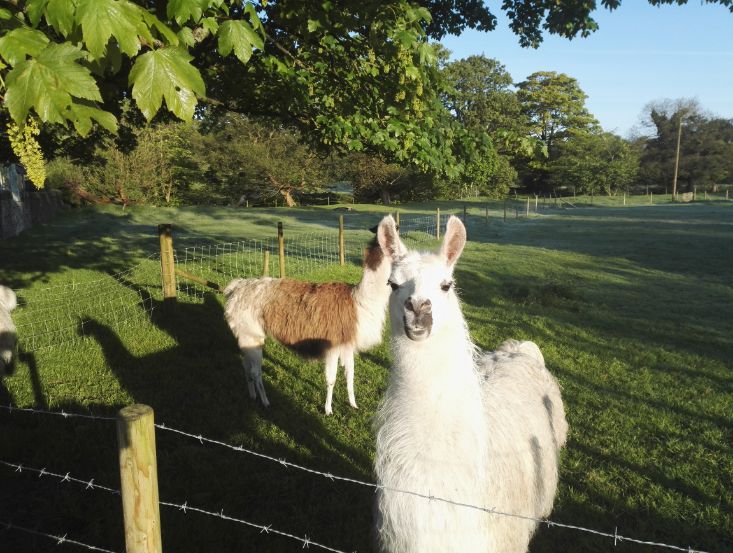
x=431 y=427
x=371 y=296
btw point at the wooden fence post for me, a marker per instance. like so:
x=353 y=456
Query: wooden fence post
x=536 y=203
x=139 y=479
x=341 y=240
x=397 y=220
x=437 y=224
x=265 y=263
x=167 y=263
x=624 y=198
x=651 y=198
x=528 y=206
x=281 y=248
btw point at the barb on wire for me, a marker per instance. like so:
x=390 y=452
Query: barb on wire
x=8 y=525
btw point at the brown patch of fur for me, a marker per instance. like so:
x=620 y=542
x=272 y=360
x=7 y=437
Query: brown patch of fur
x=311 y=318
x=374 y=255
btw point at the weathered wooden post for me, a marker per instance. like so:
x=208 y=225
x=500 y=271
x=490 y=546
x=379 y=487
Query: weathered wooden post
x=527 y=215
x=624 y=198
x=536 y=203
x=694 y=193
x=651 y=198
x=726 y=193
x=167 y=262
x=397 y=220
x=281 y=248
x=139 y=479
x=437 y=223
x=341 y=240
x=265 y=263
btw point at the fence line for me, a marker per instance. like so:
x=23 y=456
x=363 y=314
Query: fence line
x=488 y=510
x=185 y=507
x=60 y=540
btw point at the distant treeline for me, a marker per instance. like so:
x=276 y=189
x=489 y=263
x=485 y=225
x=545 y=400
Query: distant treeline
x=542 y=139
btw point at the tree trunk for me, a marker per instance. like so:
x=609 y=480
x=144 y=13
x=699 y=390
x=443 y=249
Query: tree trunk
x=288 y=197
x=386 y=199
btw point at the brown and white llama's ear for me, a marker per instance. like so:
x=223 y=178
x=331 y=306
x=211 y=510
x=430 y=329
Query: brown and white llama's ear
x=453 y=241
x=389 y=239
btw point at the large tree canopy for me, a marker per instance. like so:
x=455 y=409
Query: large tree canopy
x=358 y=75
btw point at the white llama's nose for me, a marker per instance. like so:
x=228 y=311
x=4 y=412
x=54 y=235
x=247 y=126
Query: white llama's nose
x=418 y=318
x=418 y=305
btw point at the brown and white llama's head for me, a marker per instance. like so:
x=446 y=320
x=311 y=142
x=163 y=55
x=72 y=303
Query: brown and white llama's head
x=423 y=300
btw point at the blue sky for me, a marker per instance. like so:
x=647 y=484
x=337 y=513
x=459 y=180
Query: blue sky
x=640 y=53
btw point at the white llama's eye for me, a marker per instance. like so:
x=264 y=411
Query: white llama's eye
x=445 y=286
x=394 y=285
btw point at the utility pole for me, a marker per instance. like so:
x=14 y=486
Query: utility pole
x=677 y=159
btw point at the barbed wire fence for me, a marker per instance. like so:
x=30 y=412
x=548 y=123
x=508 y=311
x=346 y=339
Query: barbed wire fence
x=185 y=507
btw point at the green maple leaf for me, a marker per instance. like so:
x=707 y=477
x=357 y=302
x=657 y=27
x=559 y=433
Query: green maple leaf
x=237 y=35
x=102 y=19
x=183 y=10
x=22 y=42
x=48 y=82
x=82 y=114
x=166 y=73
x=60 y=15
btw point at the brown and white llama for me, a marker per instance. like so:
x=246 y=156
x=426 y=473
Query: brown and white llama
x=328 y=321
x=483 y=430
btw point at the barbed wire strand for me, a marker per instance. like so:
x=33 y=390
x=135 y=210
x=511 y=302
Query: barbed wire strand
x=61 y=413
x=60 y=540
x=185 y=507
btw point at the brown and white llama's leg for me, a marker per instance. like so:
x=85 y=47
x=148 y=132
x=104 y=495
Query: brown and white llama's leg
x=347 y=358
x=331 y=358
x=252 y=362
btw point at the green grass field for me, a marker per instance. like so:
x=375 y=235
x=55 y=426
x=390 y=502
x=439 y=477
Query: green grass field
x=632 y=307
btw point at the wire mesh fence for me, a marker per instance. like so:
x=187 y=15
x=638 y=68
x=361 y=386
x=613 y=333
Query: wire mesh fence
x=57 y=316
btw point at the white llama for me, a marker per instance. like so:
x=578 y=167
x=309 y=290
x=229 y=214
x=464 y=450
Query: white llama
x=8 y=336
x=484 y=431
x=328 y=321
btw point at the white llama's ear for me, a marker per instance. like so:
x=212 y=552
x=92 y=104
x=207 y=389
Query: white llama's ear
x=454 y=240
x=389 y=239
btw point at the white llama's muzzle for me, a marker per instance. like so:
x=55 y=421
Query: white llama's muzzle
x=418 y=318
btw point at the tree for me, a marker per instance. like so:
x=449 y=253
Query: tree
x=593 y=163
x=554 y=104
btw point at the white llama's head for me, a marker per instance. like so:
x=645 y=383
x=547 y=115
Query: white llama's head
x=423 y=299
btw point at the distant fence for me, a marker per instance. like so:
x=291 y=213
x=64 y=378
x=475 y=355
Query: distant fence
x=141 y=504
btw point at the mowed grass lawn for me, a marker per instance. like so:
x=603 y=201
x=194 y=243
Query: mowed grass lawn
x=632 y=307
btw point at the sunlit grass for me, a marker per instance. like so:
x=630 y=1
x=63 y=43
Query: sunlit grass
x=632 y=307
